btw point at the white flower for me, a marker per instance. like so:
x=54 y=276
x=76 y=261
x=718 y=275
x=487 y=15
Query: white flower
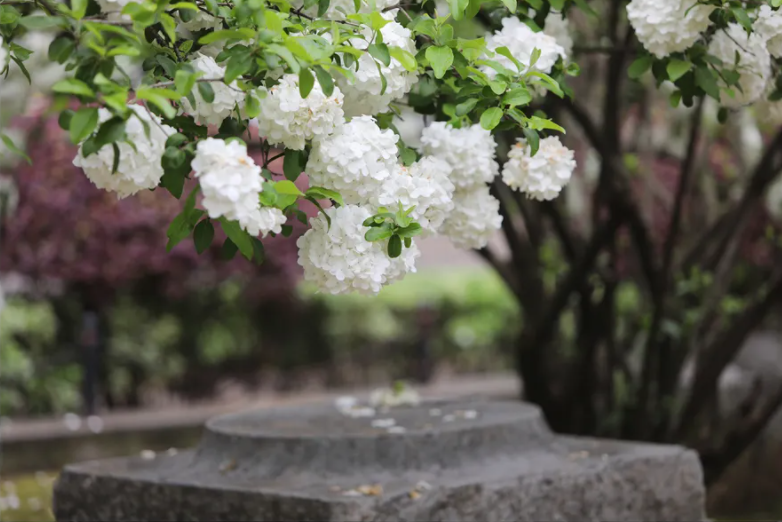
x=668 y=26
x=288 y=119
x=363 y=95
x=558 y=27
x=231 y=184
x=338 y=260
x=768 y=112
x=355 y=160
x=226 y=97
x=424 y=185
x=410 y=125
x=469 y=151
x=543 y=175
x=769 y=26
x=754 y=63
x=199 y=20
x=475 y=218
x=138 y=168
x=521 y=41
x=113 y=6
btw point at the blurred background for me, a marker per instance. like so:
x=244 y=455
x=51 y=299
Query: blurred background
x=111 y=346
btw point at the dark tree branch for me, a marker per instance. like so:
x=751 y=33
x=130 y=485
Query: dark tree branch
x=501 y=267
x=711 y=361
x=561 y=230
x=660 y=289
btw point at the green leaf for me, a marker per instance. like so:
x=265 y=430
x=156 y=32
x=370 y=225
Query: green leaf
x=228 y=250
x=411 y=230
x=79 y=8
x=64 y=120
x=206 y=91
x=510 y=4
x=533 y=140
x=677 y=68
x=184 y=82
x=238 y=65
x=706 y=79
x=323 y=6
x=41 y=22
x=227 y=34
x=203 y=234
x=457 y=8
x=240 y=238
x=538 y=123
x=517 y=96
x=384 y=231
x=491 y=118
x=640 y=66
x=173 y=182
x=380 y=52
x=293 y=163
x=73 y=86
x=287 y=187
x=407 y=60
x=160 y=98
x=110 y=131
x=169 y=25
x=61 y=48
x=252 y=105
x=10 y=145
x=306 y=82
x=394 y=246
x=742 y=17
x=325 y=80
x=440 y=58
x=83 y=123
x=323 y=193
x=466 y=106
x=259 y=253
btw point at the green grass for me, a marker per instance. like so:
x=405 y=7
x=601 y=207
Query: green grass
x=27 y=498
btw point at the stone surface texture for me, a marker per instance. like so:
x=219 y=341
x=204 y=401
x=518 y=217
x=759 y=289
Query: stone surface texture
x=467 y=460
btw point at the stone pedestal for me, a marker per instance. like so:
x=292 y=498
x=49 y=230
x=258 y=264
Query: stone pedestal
x=443 y=461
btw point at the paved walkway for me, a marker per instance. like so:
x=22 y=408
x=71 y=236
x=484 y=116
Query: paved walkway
x=496 y=385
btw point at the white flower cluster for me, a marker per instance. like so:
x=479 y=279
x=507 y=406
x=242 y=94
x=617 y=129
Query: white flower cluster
x=338 y=259
x=355 y=160
x=231 y=184
x=340 y=9
x=521 y=41
x=558 y=27
x=542 y=176
x=668 y=26
x=226 y=97
x=470 y=153
x=425 y=186
x=139 y=165
x=475 y=218
x=363 y=94
x=754 y=63
x=290 y=120
x=769 y=26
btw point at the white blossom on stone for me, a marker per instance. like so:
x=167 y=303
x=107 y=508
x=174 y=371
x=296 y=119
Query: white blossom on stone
x=390 y=398
x=231 y=184
x=558 y=27
x=226 y=97
x=290 y=120
x=199 y=20
x=754 y=63
x=355 y=160
x=425 y=186
x=363 y=94
x=475 y=218
x=338 y=259
x=769 y=26
x=521 y=41
x=542 y=176
x=668 y=26
x=470 y=152
x=139 y=166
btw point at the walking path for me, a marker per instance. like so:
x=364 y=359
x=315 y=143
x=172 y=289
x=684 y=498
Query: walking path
x=495 y=385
